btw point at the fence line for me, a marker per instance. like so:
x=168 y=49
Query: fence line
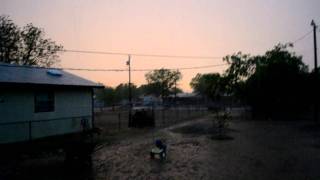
x=118 y=119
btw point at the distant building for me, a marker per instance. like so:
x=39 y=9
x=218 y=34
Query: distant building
x=150 y=100
x=185 y=99
x=39 y=102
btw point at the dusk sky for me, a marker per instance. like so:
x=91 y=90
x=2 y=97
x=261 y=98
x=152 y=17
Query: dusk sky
x=172 y=27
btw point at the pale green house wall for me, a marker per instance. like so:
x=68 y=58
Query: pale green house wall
x=17 y=116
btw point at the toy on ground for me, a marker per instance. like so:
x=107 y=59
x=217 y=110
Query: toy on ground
x=160 y=150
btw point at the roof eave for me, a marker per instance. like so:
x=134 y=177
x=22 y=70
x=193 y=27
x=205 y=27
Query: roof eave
x=16 y=84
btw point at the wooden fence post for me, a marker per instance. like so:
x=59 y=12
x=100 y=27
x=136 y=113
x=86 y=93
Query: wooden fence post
x=119 y=121
x=163 y=120
x=30 y=131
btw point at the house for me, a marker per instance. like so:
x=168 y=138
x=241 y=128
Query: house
x=40 y=102
x=150 y=100
x=185 y=99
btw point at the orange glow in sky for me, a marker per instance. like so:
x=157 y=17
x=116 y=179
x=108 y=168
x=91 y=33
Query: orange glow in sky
x=172 y=27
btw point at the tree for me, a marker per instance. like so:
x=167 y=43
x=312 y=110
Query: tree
x=106 y=95
x=279 y=86
x=150 y=89
x=111 y=96
x=122 y=91
x=26 y=46
x=9 y=40
x=209 y=85
x=164 y=80
x=241 y=66
x=274 y=84
x=155 y=89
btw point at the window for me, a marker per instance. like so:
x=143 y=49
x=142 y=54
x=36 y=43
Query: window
x=44 y=102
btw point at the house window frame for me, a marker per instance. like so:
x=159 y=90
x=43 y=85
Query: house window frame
x=44 y=105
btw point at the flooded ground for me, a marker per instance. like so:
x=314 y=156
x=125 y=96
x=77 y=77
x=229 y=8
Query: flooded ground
x=258 y=150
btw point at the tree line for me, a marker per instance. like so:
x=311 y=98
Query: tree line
x=160 y=83
x=276 y=84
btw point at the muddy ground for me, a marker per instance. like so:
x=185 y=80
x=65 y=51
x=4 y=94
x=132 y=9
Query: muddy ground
x=258 y=150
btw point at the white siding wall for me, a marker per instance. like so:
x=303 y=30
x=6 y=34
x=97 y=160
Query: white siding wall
x=71 y=106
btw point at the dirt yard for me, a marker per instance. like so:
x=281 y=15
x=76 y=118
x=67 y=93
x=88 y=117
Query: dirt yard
x=259 y=150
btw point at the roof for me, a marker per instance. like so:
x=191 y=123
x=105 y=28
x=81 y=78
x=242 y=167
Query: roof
x=16 y=74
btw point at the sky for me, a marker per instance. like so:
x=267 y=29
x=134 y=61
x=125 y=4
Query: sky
x=214 y=28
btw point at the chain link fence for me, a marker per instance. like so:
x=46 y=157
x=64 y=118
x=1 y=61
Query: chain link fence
x=118 y=119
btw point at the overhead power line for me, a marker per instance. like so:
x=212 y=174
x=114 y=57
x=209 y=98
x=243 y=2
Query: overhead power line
x=145 y=70
x=203 y=67
x=141 y=55
x=302 y=37
x=160 y=55
x=145 y=55
x=119 y=70
x=185 y=68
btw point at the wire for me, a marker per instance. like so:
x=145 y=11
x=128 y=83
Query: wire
x=159 y=55
x=84 y=69
x=185 y=68
x=204 y=67
x=92 y=52
x=115 y=70
x=57 y=68
x=144 y=55
x=144 y=70
x=302 y=37
x=141 y=55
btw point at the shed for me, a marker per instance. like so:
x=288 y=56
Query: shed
x=42 y=102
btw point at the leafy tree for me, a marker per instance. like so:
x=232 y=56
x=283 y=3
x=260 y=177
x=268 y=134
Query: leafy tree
x=150 y=89
x=177 y=90
x=111 y=96
x=26 y=46
x=9 y=40
x=155 y=89
x=279 y=86
x=106 y=95
x=209 y=85
x=274 y=84
x=37 y=50
x=163 y=80
x=241 y=67
x=231 y=82
x=122 y=92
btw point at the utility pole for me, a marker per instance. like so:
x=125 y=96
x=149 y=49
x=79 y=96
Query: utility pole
x=315 y=70
x=175 y=91
x=315 y=45
x=130 y=92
